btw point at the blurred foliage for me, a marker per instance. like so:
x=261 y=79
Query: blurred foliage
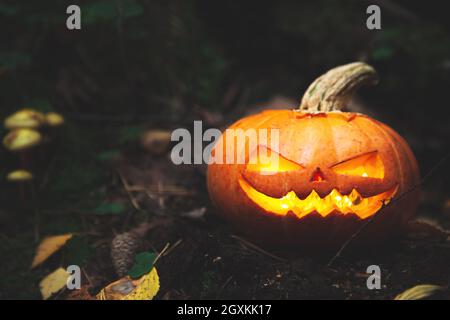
x=110 y=208
x=108 y=11
x=130 y=133
x=135 y=56
x=108 y=155
x=75 y=169
x=77 y=251
x=13 y=60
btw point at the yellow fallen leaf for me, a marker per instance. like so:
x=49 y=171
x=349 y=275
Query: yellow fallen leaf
x=144 y=288
x=49 y=246
x=419 y=292
x=54 y=282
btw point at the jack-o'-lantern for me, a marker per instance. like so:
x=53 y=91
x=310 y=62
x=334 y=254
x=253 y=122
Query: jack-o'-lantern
x=334 y=170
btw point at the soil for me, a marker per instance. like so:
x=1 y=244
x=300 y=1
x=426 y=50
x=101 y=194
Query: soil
x=208 y=260
x=205 y=258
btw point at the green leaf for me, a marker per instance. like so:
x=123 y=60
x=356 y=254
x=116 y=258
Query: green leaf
x=9 y=10
x=383 y=53
x=108 y=155
x=42 y=105
x=14 y=59
x=107 y=10
x=132 y=9
x=77 y=250
x=130 y=133
x=143 y=264
x=391 y=34
x=110 y=208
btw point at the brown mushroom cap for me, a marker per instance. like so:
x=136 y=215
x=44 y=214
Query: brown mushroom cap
x=25 y=118
x=54 y=119
x=19 y=175
x=20 y=139
x=155 y=141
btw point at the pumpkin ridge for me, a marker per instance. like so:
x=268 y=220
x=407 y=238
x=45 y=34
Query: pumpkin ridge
x=333 y=139
x=393 y=146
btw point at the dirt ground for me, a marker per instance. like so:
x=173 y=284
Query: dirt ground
x=205 y=258
x=208 y=260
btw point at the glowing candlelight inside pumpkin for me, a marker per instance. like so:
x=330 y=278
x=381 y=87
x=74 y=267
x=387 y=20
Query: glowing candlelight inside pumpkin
x=334 y=201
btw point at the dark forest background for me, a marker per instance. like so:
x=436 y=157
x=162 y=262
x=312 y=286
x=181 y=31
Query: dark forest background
x=169 y=62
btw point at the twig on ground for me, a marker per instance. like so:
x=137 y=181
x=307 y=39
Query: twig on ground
x=162 y=252
x=47 y=174
x=172 y=247
x=223 y=287
x=255 y=247
x=127 y=189
x=87 y=277
x=173 y=190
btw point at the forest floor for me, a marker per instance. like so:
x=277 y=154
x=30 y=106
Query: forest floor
x=204 y=258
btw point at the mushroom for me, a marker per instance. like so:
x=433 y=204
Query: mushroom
x=20 y=176
x=52 y=136
x=54 y=119
x=25 y=118
x=21 y=140
x=155 y=141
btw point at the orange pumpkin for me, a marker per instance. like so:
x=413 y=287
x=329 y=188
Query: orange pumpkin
x=333 y=171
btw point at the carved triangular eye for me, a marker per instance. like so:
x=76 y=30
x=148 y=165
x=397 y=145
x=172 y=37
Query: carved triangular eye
x=368 y=165
x=267 y=161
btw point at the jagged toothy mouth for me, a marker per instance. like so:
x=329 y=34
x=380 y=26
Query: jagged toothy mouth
x=333 y=202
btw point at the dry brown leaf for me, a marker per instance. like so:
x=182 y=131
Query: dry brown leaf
x=195 y=214
x=419 y=292
x=156 y=141
x=426 y=228
x=54 y=282
x=49 y=246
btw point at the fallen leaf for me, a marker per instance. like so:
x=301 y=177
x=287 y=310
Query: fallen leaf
x=49 y=246
x=54 y=282
x=144 y=288
x=426 y=228
x=195 y=214
x=419 y=292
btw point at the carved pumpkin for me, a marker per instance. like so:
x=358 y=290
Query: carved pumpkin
x=334 y=171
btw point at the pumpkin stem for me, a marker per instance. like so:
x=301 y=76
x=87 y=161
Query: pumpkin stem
x=334 y=89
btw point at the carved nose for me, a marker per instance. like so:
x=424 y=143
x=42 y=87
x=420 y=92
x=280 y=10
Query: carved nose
x=317 y=176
